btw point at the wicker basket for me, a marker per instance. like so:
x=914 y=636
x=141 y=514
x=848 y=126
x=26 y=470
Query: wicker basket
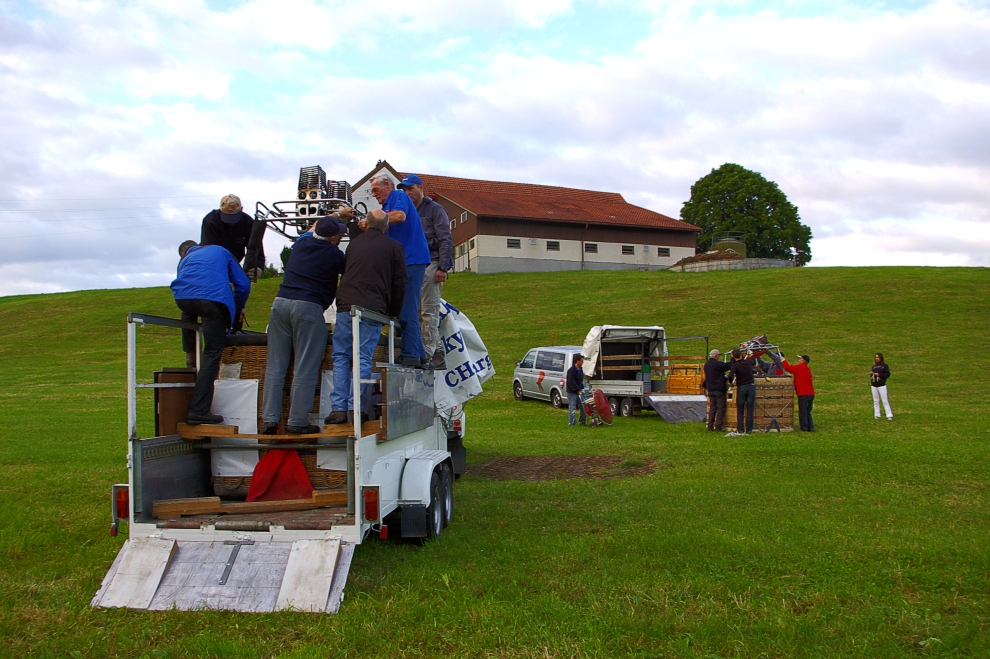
x=774 y=400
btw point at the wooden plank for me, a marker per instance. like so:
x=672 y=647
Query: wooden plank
x=204 y=431
x=685 y=358
x=165 y=508
x=170 y=508
x=340 y=430
x=622 y=368
x=308 y=576
x=340 y=577
x=320 y=499
x=139 y=573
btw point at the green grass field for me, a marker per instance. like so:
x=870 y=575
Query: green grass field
x=864 y=539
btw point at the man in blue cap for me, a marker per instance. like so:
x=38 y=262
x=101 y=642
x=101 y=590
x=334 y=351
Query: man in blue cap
x=436 y=228
x=202 y=289
x=405 y=228
x=297 y=326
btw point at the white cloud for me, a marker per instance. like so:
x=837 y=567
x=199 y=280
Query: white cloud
x=874 y=124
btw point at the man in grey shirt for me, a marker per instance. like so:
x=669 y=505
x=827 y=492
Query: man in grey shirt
x=436 y=226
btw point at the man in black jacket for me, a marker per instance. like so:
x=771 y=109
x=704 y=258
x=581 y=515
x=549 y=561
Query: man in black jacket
x=230 y=227
x=374 y=279
x=741 y=372
x=575 y=385
x=715 y=385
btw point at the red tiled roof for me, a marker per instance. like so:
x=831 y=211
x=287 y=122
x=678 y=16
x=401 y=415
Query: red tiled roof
x=526 y=201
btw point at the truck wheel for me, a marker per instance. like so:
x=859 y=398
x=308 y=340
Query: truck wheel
x=434 y=512
x=447 y=492
x=613 y=404
x=626 y=408
x=517 y=391
x=555 y=399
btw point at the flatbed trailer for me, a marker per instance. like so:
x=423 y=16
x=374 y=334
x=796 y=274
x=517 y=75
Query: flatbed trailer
x=267 y=559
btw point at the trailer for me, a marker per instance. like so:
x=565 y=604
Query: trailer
x=188 y=548
x=631 y=365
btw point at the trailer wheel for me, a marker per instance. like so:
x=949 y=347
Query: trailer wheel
x=447 y=492
x=555 y=399
x=517 y=391
x=434 y=512
x=613 y=404
x=626 y=408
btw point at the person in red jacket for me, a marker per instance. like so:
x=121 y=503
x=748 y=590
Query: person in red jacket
x=804 y=389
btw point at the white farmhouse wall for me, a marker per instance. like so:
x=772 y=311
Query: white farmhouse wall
x=492 y=254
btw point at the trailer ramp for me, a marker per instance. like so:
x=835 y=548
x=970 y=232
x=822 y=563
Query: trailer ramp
x=678 y=408
x=234 y=575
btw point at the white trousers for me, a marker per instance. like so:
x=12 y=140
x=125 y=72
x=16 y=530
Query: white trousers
x=880 y=394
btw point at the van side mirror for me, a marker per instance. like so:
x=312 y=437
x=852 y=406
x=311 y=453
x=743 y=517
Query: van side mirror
x=519 y=363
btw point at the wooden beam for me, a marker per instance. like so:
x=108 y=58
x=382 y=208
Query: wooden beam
x=187 y=431
x=169 y=508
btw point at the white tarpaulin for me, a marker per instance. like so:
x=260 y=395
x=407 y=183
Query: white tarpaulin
x=237 y=402
x=592 y=342
x=468 y=363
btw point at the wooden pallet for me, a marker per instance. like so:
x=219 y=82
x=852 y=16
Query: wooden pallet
x=204 y=431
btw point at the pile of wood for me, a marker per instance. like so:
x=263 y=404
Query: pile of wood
x=172 y=508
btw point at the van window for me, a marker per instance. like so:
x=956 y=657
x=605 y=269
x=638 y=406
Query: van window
x=550 y=361
x=528 y=360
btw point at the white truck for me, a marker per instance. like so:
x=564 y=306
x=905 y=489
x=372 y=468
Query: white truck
x=208 y=553
x=632 y=367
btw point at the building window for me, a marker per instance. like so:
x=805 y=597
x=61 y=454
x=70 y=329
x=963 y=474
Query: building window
x=553 y=245
x=663 y=251
x=460 y=250
x=628 y=250
x=472 y=243
x=453 y=223
x=463 y=217
x=513 y=243
x=591 y=248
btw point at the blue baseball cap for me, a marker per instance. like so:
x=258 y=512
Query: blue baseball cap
x=409 y=181
x=328 y=227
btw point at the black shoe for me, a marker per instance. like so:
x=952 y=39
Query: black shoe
x=439 y=362
x=303 y=430
x=270 y=429
x=194 y=419
x=336 y=418
x=411 y=362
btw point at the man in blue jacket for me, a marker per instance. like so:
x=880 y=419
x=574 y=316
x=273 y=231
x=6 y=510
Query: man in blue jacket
x=297 y=326
x=202 y=289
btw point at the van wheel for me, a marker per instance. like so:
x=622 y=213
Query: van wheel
x=555 y=399
x=434 y=513
x=626 y=408
x=447 y=492
x=613 y=404
x=517 y=392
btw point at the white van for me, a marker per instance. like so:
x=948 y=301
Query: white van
x=542 y=374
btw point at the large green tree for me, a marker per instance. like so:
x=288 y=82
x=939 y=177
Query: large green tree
x=733 y=198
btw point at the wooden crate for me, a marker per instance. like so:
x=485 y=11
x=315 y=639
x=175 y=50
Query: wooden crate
x=774 y=399
x=686 y=379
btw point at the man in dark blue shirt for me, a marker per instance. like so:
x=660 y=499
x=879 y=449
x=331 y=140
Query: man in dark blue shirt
x=297 y=325
x=575 y=385
x=202 y=289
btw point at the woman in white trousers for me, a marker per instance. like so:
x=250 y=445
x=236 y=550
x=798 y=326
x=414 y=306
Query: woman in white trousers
x=878 y=380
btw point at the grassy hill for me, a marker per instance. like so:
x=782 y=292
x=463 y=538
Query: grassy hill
x=864 y=539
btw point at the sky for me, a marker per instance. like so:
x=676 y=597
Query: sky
x=123 y=123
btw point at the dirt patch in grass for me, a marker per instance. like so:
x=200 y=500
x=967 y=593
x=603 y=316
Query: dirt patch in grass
x=542 y=468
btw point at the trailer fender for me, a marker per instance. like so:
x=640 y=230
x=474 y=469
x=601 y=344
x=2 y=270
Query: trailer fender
x=415 y=488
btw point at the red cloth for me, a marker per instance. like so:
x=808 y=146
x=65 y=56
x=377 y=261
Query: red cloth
x=280 y=475
x=802 y=378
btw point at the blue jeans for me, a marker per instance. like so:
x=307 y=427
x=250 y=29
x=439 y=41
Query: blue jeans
x=342 y=398
x=745 y=398
x=573 y=404
x=412 y=338
x=296 y=326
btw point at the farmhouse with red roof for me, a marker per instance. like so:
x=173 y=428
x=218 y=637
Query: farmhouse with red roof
x=521 y=227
